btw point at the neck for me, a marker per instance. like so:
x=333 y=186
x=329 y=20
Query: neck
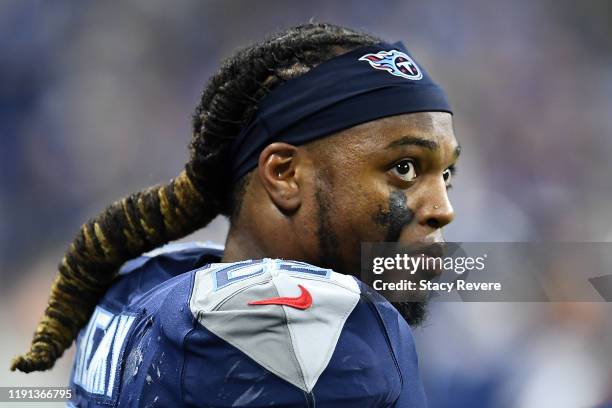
x=240 y=246
x=257 y=241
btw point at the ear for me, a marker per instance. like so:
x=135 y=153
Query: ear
x=279 y=173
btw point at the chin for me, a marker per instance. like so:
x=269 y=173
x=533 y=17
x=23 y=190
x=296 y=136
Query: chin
x=414 y=313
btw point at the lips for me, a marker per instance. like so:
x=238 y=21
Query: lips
x=434 y=250
x=433 y=272
x=432 y=254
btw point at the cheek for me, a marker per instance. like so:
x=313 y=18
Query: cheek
x=359 y=208
x=371 y=213
x=353 y=206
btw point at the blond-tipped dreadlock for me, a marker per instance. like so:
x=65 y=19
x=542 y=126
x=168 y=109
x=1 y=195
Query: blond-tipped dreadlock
x=122 y=231
x=149 y=218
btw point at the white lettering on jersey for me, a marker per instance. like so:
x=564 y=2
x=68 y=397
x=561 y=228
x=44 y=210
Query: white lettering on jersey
x=98 y=352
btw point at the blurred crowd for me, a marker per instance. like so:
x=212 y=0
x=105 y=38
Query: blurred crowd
x=96 y=101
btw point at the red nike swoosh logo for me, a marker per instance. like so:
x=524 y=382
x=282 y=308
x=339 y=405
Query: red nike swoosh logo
x=302 y=302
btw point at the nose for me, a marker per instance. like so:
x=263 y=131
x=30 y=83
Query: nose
x=435 y=210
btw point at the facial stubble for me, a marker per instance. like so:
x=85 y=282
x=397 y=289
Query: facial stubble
x=393 y=220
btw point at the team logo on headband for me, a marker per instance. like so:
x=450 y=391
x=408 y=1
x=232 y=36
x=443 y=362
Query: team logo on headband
x=394 y=62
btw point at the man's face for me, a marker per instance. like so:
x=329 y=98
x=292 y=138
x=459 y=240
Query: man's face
x=385 y=180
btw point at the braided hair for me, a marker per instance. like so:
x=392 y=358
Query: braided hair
x=149 y=218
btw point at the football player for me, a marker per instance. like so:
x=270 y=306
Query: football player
x=311 y=142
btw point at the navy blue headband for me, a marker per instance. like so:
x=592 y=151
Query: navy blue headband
x=357 y=87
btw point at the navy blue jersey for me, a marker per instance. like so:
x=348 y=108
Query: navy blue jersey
x=180 y=329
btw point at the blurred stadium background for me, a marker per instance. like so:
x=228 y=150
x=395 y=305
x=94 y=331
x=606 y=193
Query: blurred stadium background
x=96 y=100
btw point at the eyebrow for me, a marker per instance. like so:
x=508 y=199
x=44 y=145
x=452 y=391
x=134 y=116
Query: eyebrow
x=457 y=151
x=417 y=141
x=414 y=141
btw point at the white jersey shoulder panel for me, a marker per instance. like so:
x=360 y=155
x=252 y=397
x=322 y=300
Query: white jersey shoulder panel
x=295 y=343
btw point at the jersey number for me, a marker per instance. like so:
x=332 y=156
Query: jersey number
x=98 y=352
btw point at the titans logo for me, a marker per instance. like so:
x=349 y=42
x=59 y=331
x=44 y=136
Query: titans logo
x=394 y=62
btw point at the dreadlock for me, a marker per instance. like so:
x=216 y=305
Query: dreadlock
x=149 y=218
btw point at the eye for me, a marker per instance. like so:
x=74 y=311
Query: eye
x=447 y=175
x=405 y=170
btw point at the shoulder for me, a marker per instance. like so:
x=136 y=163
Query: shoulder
x=206 y=321
x=285 y=315
x=175 y=255
x=145 y=273
x=298 y=326
x=311 y=327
